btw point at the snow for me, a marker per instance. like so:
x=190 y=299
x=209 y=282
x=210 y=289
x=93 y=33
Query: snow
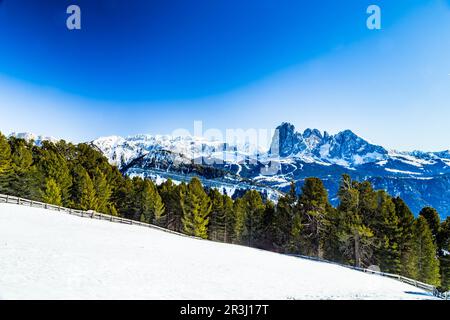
x=410 y=159
x=37 y=139
x=366 y=158
x=51 y=255
x=401 y=171
x=121 y=150
x=324 y=150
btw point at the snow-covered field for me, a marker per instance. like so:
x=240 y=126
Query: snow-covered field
x=50 y=255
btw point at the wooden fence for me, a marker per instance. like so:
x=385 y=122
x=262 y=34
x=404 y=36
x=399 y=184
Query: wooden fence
x=84 y=214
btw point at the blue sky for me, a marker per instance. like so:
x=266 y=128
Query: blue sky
x=154 y=66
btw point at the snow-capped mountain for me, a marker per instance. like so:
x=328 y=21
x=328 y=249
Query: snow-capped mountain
x=344 y=148
x=421 y=178
x=37 y=139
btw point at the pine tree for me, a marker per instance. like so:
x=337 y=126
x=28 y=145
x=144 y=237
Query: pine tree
x=356 y=239
x=388 y=233
x=230 y=219
x=444 y=254
x=5 y=163
x=424 y=257
x=171 y=194
x=103 y=191
x=286 y=211
x=313 y=204
x=88 y=198
x=331 y=243
x=152 y=207
x=240 y=215
x=267 y=241
x=51 y=163
x=253 y=213
x=52 y=193
x=23 y=181
x=433 y=220
x=196 y=207
x=112 y=210
x=124 y=198
x=296 y=243
x=217 y=221
x=405 y=223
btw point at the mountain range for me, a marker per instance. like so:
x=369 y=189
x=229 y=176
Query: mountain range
x=420 y=178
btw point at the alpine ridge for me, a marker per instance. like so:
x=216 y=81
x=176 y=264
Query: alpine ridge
x=420 y=178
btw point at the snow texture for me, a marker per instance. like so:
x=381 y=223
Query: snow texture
x=51 y=255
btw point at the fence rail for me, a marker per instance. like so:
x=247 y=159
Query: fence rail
x=96 y=215
x=418 y=284
x=84 y=214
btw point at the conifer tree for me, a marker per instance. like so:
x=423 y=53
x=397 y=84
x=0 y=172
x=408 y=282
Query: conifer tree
x=112 y=210
x=51 y=163
x=124 y=199
x=171 y=194
x=444 y=254
x=314 y=205
x=52 y=193
x=103 y=191
x=230 y=219
x=405 y=222
x=196 y=208
x=286 y=211
x=5 y=163
x=240 y=215
x=267 y=241
x=88 y=198
x=23 y=181
x=433 y=220
x=355 y=237
x=331 y=243
x=296 y=243
x=152 y=207
x=424 y=258
x=388 y=233
x=252 y=215
x=217 y=221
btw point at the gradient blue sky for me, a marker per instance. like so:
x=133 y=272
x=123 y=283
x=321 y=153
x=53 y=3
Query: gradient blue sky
x=147 y=66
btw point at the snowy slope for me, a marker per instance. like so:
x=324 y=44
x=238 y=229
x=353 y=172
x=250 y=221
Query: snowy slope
x=50 y=255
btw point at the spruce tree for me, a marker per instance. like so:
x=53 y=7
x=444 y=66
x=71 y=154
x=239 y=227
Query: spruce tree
x=433 y=220
x=196 y=207
x=152 y=207
x=267 y=241
x=5 y=164
x=424 y=258
x=217 y=221
x=23 y=182
x=88 y=198
x=356 y=239
x=124 y=198
x=253 y=213
x=405 y=223
x=51 y=163
x=103 y=191
x=230 y=219
x=314 y=205
x=240 y=216
x=444 y=254
x=388 y=233
x=52 y=193
x=171 y=194
x=286 y=211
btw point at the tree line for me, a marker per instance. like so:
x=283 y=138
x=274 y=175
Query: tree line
x=368 y=227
